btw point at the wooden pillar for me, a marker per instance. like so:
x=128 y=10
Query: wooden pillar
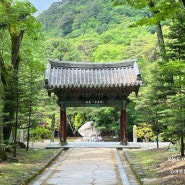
x=123 y=126
x=63 y=126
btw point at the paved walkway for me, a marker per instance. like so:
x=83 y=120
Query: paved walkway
x=85 y=166
x=90 y=163
x=79 y=144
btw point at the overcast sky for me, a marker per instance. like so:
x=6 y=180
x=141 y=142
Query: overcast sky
x=42 y=5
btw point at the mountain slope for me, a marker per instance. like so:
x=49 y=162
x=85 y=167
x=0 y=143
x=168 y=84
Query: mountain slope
x=74 y=18
x=87 y=30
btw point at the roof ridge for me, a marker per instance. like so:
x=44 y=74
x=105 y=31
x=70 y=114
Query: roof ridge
x=91 y=65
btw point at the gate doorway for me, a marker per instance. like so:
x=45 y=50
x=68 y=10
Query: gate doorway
x=78 y=84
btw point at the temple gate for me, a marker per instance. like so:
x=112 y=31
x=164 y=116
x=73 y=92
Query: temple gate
x=78 y=84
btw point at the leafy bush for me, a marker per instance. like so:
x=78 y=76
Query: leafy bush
x=39 y=133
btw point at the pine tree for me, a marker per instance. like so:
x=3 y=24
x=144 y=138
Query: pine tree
x=175 y=120
x=176 y=45
x=30 y=84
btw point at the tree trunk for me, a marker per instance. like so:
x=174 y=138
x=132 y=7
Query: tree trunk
x=8 y=110
x=16 y=44
x=16 y=118
x=182 y=146
x=52 y=127
x=2 y=149
x=157 y=140
x=159 y=32
x=1 y=120
x=30 y=108
x=161 y=42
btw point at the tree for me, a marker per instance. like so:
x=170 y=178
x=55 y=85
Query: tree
x=163 y=86
x=79 y=120
x=175 y=107
x=174 y=119
x=48 y=112
x=108 y=53
x=159 y=11
x=86 y=45
x=76 y=18
x=65 y=23
x=106 y=120
x=16 y=21
x=2 y=153
x=149 y=103
x=145 y=133
x=30 y=85
x=176 y=38
x=61 y=49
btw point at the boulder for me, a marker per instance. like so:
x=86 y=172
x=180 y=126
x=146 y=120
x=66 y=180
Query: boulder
x=88 y=131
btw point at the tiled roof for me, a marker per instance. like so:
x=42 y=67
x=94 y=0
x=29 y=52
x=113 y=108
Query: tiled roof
x=60 y=74
x=89 y=84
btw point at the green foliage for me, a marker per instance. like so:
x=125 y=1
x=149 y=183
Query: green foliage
x=96 y=31
x=175 y=103
x=158 y=103
x=175 y=108
x=106 y=119
x=86 y=45
x=176 y=38
x=29 y=84
x=17 y=13
x=65 y=23
x=17 y=21
x=158 y=10
x=101 y=32
x=177 y=69
x=142 y=45
x=75 y=18
x=175 y=121
x=108 y=52
x=61 y=49
x=39 y=133
x=145 y=133
x=150 y=104
x=79 y=120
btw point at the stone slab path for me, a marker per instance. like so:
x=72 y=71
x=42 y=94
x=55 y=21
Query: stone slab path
x=85 y=166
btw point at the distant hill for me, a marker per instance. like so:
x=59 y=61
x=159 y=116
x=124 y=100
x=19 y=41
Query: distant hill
x=87 y=30
x=74 y=18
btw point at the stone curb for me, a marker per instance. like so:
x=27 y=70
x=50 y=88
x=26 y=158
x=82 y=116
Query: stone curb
x=28 y=177
x=135 y=168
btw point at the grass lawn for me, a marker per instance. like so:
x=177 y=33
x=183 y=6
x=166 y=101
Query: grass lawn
x=160 y=167
x=29 y=164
